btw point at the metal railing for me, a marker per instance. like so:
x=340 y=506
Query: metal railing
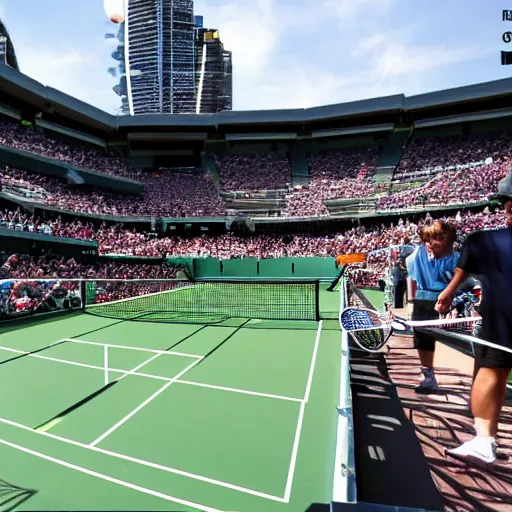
x=344 y=485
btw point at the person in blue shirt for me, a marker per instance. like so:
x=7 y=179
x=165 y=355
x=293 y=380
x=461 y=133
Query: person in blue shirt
x=430 y=267
x=488 y=256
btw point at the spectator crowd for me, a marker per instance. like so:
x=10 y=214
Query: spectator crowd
x=20 y=266
x=114 y=240
x=463 y=186
x=165 y=195
x=334 y=175
x=341 y=174
x=253 y=173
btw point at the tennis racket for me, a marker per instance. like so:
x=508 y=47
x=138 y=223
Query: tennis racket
x=371 y=329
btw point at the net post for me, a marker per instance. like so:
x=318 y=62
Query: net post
x=317 y=300
x=83 y=293
x=337 y=279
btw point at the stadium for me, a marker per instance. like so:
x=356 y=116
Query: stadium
x=132 y=244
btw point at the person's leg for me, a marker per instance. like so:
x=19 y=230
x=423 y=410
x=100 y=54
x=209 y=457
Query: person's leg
x=426 y=358
x=492 y=368
x=425 y=344
x=487 y=398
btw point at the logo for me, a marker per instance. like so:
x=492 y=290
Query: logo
x=506 y=57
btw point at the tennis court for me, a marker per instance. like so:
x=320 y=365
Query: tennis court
x=102 y=413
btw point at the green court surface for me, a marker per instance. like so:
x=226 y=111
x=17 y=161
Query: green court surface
x=98 y=413
x=376 y=297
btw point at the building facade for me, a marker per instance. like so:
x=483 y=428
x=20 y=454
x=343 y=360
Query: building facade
x=214 y=75
x=161 y=67
x=7 y=53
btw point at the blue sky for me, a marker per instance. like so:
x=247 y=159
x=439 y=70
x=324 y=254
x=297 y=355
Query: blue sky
x=286 y=53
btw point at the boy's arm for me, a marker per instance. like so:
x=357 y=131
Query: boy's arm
x=445 y=297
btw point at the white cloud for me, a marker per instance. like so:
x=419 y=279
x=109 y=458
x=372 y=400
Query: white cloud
x=344 y=9
x=252 y=32
x=401 y=59
x=52 y=67
x=394 y=53
x=70 y=71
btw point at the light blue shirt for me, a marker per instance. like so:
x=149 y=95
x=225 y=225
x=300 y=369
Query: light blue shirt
x=432 y=275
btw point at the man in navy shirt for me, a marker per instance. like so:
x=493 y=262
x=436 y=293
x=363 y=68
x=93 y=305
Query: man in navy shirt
x=488 y=255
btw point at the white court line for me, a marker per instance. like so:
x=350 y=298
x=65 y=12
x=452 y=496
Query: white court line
x=133 y=371
x=296 y=441
x=110 y=479
x=145 y=462
x=142 y=405
x=155 y=377
x=106 y=364
x=152 y=351
x=46 y=358
x=8 y=349
x=235 y=390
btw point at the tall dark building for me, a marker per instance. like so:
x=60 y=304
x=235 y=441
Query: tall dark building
x=7 y=53
x=156 y=57
x=169 y=64
x=214 y=75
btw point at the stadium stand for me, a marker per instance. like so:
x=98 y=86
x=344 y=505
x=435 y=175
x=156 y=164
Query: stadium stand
x=373 y=240
x=165 y=194
x=368 y=188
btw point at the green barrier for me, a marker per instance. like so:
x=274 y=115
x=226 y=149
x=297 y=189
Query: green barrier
x=308 y=268
x=275 y=268
x=186 y=261
x=248 y=267
x=314 y=268
x=207 y=267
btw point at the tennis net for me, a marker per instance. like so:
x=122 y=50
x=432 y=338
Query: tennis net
x=202 y=301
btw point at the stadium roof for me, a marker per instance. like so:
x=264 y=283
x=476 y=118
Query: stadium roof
x=50 y=101
x=480 y=91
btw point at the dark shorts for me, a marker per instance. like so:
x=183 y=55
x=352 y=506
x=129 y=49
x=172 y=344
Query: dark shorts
x=424 y=310
x=488 y=357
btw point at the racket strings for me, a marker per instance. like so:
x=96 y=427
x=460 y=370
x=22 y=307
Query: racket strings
x=369 y=329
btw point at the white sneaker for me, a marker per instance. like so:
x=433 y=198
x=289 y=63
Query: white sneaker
x=429 y=384
x=479 y=448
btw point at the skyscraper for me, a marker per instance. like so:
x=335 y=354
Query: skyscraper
x=213 y=73
x=161 y=65
x=156 y=57
x=7 y=53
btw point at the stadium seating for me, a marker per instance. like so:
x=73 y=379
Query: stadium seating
x=433 y=171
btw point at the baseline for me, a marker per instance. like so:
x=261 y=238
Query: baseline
x=109 y=478
x=142 y=462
